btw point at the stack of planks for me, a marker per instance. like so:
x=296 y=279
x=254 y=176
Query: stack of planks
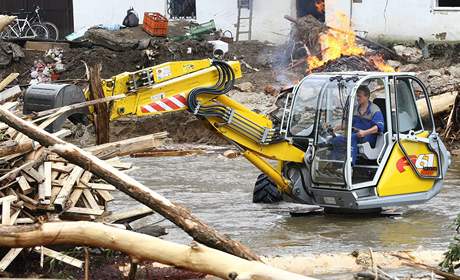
x=37 y=185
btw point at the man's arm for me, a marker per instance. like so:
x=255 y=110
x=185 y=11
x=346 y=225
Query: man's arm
x=378 y=126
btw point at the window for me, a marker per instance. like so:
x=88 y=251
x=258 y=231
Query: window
x=408 y=116
x=448 y=3
x=178 y=9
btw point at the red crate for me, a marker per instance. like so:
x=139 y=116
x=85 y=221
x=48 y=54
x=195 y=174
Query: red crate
x=155 y=24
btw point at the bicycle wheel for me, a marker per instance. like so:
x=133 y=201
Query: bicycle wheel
x=37 y=31
x=53 y=31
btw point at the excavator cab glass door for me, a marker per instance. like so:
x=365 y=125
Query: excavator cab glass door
x=331 y=141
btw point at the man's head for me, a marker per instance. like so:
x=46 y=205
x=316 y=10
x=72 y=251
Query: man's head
x=362 y=95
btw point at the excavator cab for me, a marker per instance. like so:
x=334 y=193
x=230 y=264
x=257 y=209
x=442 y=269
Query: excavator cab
x=405 y=164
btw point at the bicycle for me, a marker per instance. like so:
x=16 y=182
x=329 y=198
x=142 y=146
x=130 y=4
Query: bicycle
x=23 y=28
x=53 y=31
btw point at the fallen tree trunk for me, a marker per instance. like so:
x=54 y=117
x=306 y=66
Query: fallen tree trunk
x=175 y=213
x=141 y=247
x=439 y=103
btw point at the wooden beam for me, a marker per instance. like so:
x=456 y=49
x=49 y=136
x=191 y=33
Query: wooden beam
x=10 y=94
x=44 y=189
x=66 y=190
x=8 y=80
x=6 y=208
x=9 y=258
x=59 y=256
x=24 y=185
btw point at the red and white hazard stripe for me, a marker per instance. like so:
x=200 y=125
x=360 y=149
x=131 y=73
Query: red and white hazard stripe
x=166 y=104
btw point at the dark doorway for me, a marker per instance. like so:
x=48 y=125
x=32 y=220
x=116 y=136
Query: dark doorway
x=448 y=3
x=59 y=12
x=182 y=9
x=315 y=8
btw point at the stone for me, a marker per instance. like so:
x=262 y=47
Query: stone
x=394 y=63
x=410 y=54
x=454 y=70
x=408 y=68
x=245 y=87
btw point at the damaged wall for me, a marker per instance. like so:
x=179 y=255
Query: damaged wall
x=399 y=19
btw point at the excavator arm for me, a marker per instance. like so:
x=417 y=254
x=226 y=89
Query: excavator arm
x=200 y=87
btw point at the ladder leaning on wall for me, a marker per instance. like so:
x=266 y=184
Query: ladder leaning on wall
x=245 y=13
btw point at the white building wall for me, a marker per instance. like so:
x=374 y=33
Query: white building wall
x=268 y=18
x=88 y=13
x=399 y=19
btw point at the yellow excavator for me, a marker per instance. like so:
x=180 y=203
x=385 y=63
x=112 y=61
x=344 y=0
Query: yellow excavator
x=294 y=150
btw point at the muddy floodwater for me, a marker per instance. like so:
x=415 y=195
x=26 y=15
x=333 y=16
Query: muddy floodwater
x=219 y=191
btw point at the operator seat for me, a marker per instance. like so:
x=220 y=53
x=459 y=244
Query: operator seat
x=366 y=150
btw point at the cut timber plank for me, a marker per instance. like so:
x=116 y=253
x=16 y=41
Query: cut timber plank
x=85 y=211
x=10 y=93
x=45 y=46
x=67 y=186
x=44 y=189
x=127 y=216
x=24 y=185
x=9 y=257
x=6 y=208
x=59 y=256
x=104 y=187
x=75 y=196
x=105 y=195
x=11 y=77
x=90 y=198
x=34 y=175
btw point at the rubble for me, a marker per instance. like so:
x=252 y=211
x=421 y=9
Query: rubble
x=245 y=87
x=410 y=54
x=10 y=52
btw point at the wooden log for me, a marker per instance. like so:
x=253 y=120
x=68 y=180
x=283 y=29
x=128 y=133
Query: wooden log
x=101 y=110
x=439 y=103
x=196 y=257
x=78 y=105
x=177 y=214
x=127 y=147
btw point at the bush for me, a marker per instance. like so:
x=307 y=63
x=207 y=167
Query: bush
x=452 y=256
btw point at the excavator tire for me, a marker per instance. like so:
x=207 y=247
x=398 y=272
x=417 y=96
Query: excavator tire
x=265 y=191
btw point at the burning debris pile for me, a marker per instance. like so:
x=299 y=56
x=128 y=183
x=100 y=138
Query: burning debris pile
x=327 y=48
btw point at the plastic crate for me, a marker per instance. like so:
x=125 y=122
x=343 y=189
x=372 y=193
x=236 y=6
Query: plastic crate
x=155 y=24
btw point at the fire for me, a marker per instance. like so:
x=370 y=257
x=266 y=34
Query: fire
x=320 y=7
x=335 y=44
x=341 y=41
x=379 y=62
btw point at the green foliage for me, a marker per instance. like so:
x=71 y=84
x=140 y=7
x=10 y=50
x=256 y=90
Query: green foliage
x=452 y=256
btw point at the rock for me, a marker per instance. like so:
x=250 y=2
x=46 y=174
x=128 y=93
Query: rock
x=143 y=44
x=231 y=154
x=408 y=68
x=245 y=87
x=434 y=73
x=110 y=40
x=410 y=54
x=394 y=63
x=271 y=90
x=454 y=70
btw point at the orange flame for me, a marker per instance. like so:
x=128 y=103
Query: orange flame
x=341 y=41
x=379 y=62
x=320 y=7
